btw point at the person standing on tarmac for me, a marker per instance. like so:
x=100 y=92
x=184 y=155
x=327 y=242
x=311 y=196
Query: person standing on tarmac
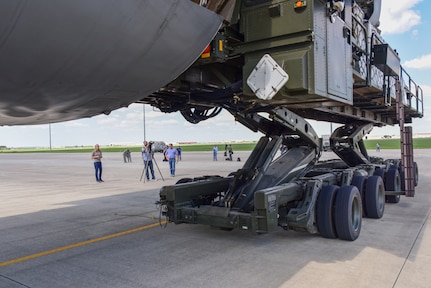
x=230 y=151
x=97 y=157
x=215 y=151
x=179 y=153
x=172 y=156
x=147 y=157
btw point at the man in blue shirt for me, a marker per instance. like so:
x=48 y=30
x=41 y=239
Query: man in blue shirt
x=215 y=151
x=172 y=156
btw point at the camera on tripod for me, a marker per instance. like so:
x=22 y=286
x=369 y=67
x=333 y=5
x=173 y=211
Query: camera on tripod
x=150 y=146
x=149 y=159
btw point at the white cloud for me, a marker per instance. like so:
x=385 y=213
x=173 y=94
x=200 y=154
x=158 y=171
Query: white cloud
x=134 y=116
x=155 y=114
x=31 y=127
x=398 y=17
x=427 y=90
x=167 y=122
x=423 y=62
x=75 y=123
x=103 y=120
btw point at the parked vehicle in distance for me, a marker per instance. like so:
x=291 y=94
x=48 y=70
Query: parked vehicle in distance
x=326 y=144
x=158 y=146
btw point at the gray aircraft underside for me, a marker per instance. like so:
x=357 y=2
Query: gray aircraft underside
x=63 y=60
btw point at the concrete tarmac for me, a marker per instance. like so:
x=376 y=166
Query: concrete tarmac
x=61 y=228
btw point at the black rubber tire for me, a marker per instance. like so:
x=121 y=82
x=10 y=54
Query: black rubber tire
x=393 y=183
x=325 y=220
x=416 y=175
x=379 y=172
x=375 y=197
x=348 y=213
x=403 y=180
x=402 y=175
x=359 y=182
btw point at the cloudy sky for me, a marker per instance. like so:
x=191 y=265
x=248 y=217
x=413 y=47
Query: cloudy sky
x=405 y=26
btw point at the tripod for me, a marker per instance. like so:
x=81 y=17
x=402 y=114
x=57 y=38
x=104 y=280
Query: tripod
x=145 y=169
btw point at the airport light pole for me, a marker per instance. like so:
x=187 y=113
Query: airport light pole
x=50 y=147
x=143 y=120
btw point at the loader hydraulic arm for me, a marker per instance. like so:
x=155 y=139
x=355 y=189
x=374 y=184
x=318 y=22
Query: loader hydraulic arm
x=282 y=127
x=284 y=123
x=347 y=142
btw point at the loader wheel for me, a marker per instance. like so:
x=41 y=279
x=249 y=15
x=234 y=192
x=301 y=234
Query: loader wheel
x=375 y=197
x=393 y=183
x=399 y=167
x=359 y=182
x=403 y=180
x=379 y=172
x=415 y=175
x=348 y=213
x=325 y=211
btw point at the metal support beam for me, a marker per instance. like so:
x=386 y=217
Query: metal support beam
x=347 y=143
x=406 y=143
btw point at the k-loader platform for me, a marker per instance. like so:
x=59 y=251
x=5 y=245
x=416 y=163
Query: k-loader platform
x=273 y=65
x=292 y=190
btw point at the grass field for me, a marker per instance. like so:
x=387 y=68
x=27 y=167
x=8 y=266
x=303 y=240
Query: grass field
x=418 y=143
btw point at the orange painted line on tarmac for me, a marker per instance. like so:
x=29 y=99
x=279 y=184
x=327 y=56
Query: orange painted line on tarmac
x=68 y=247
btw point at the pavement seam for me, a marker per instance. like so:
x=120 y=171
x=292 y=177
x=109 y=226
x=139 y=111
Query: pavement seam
x=411 y=248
